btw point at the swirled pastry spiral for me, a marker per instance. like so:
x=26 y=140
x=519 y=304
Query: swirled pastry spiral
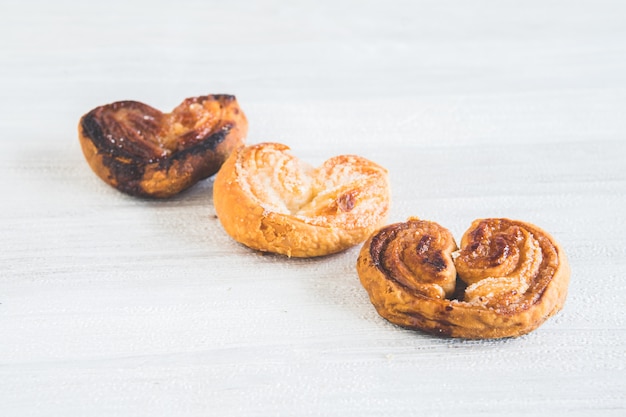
x=507 y=278
x=144 y=152
x=269 y=200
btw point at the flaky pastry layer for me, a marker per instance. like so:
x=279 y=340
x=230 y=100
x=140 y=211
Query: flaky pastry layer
x=269 y=200
x=507 y=278
x=143 y=152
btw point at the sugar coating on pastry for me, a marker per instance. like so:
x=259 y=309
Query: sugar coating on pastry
x=270 y=200
x=507 y=278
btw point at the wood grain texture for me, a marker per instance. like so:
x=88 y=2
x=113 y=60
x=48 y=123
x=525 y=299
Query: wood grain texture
x=112 y=305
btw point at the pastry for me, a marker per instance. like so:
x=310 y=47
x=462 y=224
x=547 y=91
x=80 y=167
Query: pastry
x=507 y=278
x=269 y=200
x=144 y=152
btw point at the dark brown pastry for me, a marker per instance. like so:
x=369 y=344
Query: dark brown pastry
x=506 y=280
x=144 y=152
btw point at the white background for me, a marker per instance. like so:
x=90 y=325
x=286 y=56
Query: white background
x=116 y=306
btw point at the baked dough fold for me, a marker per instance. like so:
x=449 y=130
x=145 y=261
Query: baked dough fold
x=143 y=152
x=507 y=278
x=269 y=200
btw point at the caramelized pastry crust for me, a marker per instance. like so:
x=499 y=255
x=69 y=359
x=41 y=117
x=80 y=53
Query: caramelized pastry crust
x=144 y=152
x=271 y=201
x=507 y=278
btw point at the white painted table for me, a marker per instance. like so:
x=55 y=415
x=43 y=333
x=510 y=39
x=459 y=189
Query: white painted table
x=115 y=306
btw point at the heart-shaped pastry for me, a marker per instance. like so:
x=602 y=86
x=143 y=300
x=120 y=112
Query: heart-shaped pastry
x=269 y=200
x=144 y=152
x=506 y=280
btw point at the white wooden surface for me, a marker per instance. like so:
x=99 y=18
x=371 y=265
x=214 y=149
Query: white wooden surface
x=115 y=306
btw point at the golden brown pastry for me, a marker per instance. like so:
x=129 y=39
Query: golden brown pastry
x=271 y=201
x=144 y=152
x=506 y=280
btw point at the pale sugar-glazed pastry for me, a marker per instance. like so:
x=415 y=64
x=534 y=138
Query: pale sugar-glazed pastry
x=507 y=278
x=143 y=152
x=270 y=200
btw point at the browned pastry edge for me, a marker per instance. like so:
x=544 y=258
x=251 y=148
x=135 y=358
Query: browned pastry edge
x=254 y=223
x=119 y=142
x=408 y=306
